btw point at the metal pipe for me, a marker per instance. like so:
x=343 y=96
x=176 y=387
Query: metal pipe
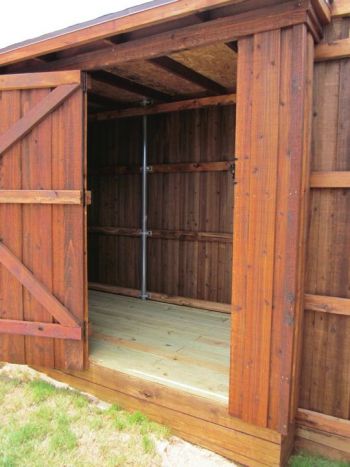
x=144 y=231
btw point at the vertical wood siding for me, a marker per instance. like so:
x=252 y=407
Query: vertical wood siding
x=273 y=124
x=48 y=239
x=193 y=202
x=325 y=385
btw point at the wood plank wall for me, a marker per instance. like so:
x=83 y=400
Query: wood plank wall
x=325 y=384
x=191 y=202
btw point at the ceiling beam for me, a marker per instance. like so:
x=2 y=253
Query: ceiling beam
x=224 y=29
x=188 y=104
x=101 y=101
x=178 y=69
x=130 y=86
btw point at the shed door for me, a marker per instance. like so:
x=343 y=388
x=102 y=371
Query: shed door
x=43 y=292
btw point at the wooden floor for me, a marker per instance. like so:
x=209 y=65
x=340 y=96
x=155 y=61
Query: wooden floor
x=184 y=348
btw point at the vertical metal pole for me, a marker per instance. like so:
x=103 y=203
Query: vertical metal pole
x=144 y=232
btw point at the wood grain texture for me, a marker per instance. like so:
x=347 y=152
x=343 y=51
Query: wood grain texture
x=69 y=270
x=324 y=304
x=323 y=435
x=187 y=104
x=37 y=329
x=40 y=149
x=185 y=301
x=325 y=383
x=38 y=290
x=190 y=214
x=224 y=29
x=269 y=234
x=326 y=423
x=324 y=179
x=340 y=8
x=181 y=167
x=199 y=421
x=105 y=29
x=35 y=115
x=333 y=50
x=41 y=197
x=39 y=80
x=11 y=292
x=165 y=234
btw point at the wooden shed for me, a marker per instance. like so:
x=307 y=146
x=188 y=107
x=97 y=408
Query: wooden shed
x=175 y=218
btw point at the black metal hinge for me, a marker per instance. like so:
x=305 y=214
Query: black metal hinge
x=233 y=170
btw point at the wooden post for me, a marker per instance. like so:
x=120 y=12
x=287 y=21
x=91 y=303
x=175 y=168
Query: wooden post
x=272 y=145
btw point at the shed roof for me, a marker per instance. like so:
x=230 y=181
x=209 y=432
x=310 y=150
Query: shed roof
x=86 y=24
x=140 y=16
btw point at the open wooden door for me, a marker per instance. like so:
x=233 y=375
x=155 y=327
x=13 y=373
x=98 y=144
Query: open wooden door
x=43 y=291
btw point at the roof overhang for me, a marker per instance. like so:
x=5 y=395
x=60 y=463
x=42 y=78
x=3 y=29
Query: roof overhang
x=144 y=15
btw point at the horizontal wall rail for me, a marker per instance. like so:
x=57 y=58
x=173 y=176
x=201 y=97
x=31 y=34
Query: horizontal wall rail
x=158 y=297
x=29 y=328
x=164 y=234
x=334 y=179
x=42 y=197
x=340 y=8
x=188 y=104
x=182 y=167
x=322 y=422
x=333 y=50
x=326 y=304
x=323 y=435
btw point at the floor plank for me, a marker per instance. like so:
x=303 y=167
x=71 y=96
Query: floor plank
x=173 y=345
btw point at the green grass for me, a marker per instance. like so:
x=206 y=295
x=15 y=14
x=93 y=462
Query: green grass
x=304 y=460
x=43 y=425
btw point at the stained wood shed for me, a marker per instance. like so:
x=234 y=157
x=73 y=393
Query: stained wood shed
x=174 y=218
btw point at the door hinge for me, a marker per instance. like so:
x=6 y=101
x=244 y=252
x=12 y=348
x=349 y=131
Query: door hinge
x=87 y=198
x=87 y=330
x=85 y=82
x=233 y=170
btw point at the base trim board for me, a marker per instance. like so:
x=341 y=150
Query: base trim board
x=323 y=435
x=194 y=418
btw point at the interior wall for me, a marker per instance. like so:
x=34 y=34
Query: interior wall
x=191 y=202
x=325 y=384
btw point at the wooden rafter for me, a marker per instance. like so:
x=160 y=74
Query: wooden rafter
x=184 y=72
x=35 y=115
x=115 y=26
x=223 y=29
x=128 y=85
